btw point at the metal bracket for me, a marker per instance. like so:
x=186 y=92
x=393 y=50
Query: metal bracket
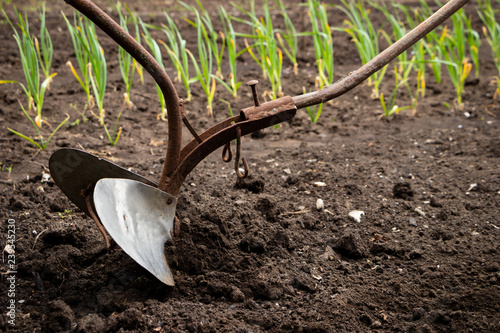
x=250 y=120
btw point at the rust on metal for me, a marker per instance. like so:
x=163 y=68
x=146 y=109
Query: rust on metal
x=250 y=120
x=207 y=134
x=87 y=194
x=237 y=158
x=227 y=155
x=177 y=227
x=268 y=110
x=187 y=123
x=253 y=84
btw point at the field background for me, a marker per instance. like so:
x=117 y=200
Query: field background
x=257 y=255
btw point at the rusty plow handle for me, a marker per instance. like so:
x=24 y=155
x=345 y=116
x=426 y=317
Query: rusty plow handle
x=357 y=77
x=143 y=57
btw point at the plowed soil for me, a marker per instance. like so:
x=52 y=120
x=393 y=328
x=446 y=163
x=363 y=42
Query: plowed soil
x=257 y=255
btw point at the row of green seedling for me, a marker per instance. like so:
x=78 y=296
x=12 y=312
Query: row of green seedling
x=92 y=66
x=323 y=51
x=36 y=56
x=208 y=50
x=266 y=49
x=455 y=48
x=263 y=48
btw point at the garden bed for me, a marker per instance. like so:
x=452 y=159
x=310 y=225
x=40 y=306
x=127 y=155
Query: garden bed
x=257 y=255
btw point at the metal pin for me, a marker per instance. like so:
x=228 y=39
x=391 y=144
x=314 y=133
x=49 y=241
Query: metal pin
x=252 y=84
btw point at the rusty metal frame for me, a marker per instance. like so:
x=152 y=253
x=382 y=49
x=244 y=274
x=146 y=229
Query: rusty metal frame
x=250 y=120
x=179 y=163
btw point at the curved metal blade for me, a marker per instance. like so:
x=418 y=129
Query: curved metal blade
x=74 y=170
x=140 y=221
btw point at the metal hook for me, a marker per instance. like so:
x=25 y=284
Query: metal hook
x=227 y=155
x=237 y=160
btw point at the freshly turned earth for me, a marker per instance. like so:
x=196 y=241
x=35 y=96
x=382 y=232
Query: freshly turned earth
x=257 y=255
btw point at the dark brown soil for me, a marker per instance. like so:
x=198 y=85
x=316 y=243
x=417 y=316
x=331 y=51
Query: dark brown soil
x=257 y=255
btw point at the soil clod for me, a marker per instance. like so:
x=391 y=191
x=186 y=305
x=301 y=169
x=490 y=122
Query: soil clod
x=351 y=244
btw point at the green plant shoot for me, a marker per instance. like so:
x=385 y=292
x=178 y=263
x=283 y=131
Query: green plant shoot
x=491 y=31
x=128 y=64
x=204 y=69
x=453 y=49
x=269 y=57
x=288 y=42
x=210 y=35
x=156 y=52
x=82 y=56
x=230 y=37
x=44 y=48
x=365 y=37
x=323 y=43
x=176 y=49
x=400 y=79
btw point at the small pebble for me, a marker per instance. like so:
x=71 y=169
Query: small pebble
x=287 y=171
x=45 y=177
x=320 y=204
x=420 y=211
x=413 y=222
x=471 y=187
x=356 y=215
x=319 y=184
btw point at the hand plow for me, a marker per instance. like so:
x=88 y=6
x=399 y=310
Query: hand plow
x=140 y=214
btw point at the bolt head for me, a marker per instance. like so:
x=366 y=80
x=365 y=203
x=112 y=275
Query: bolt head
x=252 y=82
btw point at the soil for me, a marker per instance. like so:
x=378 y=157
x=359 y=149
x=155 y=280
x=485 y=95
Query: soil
x=257 y=255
